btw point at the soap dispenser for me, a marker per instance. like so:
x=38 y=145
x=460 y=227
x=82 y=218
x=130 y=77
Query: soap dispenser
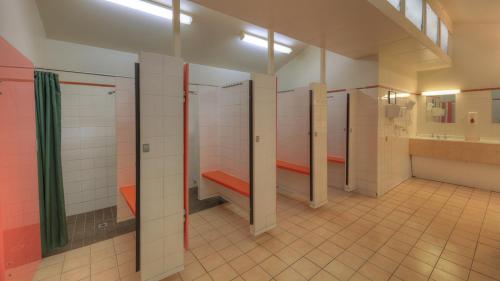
x=472 y=127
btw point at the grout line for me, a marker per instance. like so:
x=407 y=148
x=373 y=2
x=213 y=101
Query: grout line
x=479 y=235
x=451 y=233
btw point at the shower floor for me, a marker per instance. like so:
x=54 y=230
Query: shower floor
x=88 y=228
x=196 y=205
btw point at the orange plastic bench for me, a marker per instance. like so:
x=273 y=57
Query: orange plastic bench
x=128 y=193
x=231 y=182
x=336 y=159
x=293 y=167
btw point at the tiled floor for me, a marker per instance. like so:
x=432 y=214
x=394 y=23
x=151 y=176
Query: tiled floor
x=112 y=259
x=83 y=229
x=421 y=230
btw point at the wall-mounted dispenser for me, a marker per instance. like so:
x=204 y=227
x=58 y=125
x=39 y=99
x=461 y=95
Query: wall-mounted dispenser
x=392 y=111
x=472 y=127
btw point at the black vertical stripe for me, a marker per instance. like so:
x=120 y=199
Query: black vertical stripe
x=137 y=168
x=311 y=147
x=251 y=139
x=347 y=133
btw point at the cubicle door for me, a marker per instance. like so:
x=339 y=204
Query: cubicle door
x=319 y=164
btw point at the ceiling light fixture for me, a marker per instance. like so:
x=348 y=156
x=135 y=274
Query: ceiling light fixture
x=441 y=93
x=398 y=95
x=151 y=9
x=261 y=42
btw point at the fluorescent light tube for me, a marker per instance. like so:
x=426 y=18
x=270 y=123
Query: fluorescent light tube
x=263 y=43
x=441 y=93
x=398 y=95
x=151 y=9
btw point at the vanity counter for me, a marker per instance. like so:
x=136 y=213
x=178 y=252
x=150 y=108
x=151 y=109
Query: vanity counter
x=486 y=151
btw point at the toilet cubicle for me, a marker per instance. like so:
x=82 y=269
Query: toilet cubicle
x=237 y=148
x=302 y=144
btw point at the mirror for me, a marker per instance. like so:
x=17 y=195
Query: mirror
x=440 y=109
x=495 y=106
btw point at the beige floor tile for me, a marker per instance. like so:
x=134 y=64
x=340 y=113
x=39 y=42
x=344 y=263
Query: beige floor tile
x=223 y=273
x=242 y=264
x=73 y=262
x=289 y=255
x=453 y=268
x=374 y=272
x=273 y=265
x=212 y=261
x=323 y=276
x=103 y=264
x=406 y=274
x=192 y=271
x=350 y=260
x=319 y=257
x=107 y=275
x=306 y=268
x=204 y=277
x=76 y=274
x=48 y=271
x=475 y=276
x=289 y=275
x=339 y=270
x=256 y=274
x=230 y=253
x=126 y=269
x=384 y=263
x=259 y=254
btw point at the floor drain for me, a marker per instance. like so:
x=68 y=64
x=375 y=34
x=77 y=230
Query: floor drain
x=102 y=225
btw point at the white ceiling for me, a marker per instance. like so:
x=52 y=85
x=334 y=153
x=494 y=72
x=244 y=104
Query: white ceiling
x=473 y=11
x=353 y=28
x=212 y=38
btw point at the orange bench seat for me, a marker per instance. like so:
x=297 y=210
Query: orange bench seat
x=231 y=182
x=293 y=167
x=336 y=159
x=128 y=193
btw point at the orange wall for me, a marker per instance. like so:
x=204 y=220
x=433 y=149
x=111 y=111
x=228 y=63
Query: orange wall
x=20 y=249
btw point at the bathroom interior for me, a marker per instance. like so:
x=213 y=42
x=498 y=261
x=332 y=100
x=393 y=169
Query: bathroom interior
x=196 y=140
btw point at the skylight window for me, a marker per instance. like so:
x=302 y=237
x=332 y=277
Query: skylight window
x=444 y=37
x=396 y=4
x=432 y=24
x=414 y=11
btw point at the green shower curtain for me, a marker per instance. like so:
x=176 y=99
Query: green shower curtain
x=54 y=233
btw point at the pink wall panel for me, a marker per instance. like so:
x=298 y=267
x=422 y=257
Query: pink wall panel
x=20 y=250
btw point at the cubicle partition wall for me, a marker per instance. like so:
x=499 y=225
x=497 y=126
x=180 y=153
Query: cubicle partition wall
x=235 y=143
x=301 y=160
x=161 y=199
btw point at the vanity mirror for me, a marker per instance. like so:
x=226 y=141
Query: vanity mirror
x=495 y=106
x=440 y=108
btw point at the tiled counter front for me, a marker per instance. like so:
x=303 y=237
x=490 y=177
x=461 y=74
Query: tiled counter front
x=476 y=152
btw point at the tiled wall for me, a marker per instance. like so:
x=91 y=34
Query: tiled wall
x=20 y=250
x=363 y=141
x=208 y=104
x=393 y=143
x=465 y=102
x=233 y=130
x=161 y=236
x=337 y=123
x=125 y=143
x=293 y=126
x=337 y=110
x=88 y=148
